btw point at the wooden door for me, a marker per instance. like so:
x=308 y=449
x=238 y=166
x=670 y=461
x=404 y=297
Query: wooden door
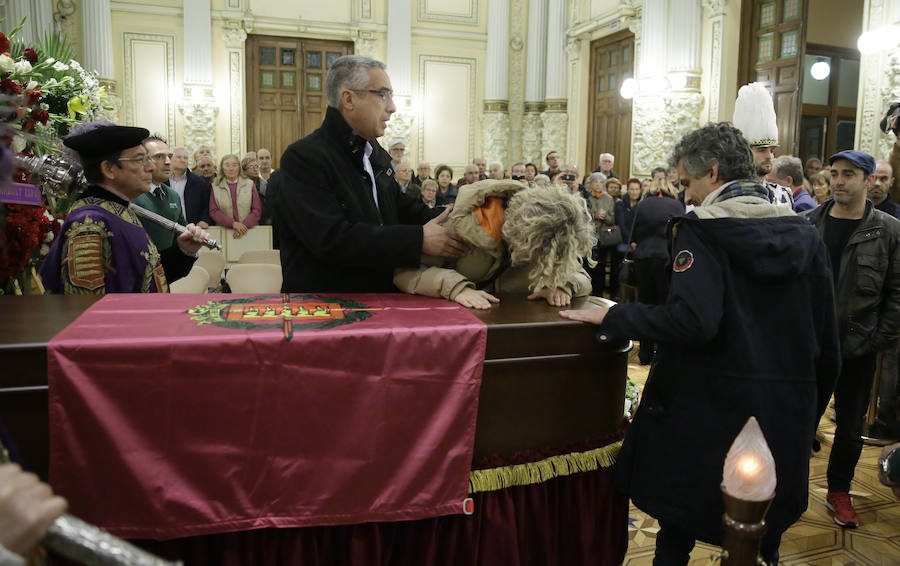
x=612 y=61
x=286 y=89
x=829 y=104
x=773 y=42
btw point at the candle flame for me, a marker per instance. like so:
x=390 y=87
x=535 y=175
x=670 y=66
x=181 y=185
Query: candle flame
x=749 y=470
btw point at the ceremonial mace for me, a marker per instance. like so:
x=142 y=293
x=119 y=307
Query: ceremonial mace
x=57 y=177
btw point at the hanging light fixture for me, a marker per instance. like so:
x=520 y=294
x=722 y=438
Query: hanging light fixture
x=820 y=70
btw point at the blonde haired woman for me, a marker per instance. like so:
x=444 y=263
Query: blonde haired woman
x=233 y=200
x=522 y=239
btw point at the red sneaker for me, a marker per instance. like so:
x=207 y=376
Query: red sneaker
x=844 y=513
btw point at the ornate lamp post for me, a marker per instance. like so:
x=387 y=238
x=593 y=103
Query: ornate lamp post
x=748 y=488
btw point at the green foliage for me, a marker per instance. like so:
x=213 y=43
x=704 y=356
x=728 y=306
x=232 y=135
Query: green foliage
x=57 y=46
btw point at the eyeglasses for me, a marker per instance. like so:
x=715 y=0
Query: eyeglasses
x=143 y=159
x=385 y=94
x=252 y=167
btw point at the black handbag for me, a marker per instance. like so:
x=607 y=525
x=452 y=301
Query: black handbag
x=609 y=236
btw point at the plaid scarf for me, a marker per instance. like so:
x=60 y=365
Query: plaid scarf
x=743 y=189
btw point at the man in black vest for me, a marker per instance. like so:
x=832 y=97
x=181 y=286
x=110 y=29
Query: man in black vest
x=344 y=224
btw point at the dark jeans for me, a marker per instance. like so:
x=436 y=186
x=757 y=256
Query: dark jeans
x=673 y=546
x=851 y=400
x=604 y=256
x=653 y=288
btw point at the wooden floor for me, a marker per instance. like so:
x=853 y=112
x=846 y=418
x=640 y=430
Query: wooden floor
x=815 y=539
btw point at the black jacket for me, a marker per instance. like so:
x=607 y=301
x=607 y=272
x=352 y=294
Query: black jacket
x=868 y=288
x=648 y=229
x=332 y=236
x=196 y=199
x=889 y=206
x=748 y=329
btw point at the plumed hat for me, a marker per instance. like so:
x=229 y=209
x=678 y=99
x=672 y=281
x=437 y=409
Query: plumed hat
x=754 y=115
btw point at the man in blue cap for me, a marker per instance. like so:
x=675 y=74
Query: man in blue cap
x=864 y=245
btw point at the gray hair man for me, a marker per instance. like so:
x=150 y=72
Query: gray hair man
x=716 y=356
x=344 y=224
x=470 y=175
x=264 y=156
x=496 y=171
x=605 y=165
x=787 y=171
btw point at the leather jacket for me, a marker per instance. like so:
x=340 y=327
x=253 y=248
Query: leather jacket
x=867 y=296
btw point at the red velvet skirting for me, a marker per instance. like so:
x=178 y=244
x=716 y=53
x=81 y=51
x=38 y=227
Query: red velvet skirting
x=571 y=520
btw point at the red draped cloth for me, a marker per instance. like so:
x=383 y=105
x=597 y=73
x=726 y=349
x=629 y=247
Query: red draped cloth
x=172 y=417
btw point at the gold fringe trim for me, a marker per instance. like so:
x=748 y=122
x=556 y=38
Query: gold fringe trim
x=493 y=479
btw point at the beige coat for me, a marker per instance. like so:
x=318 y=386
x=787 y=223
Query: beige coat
x=244 y=197
x=446 y=278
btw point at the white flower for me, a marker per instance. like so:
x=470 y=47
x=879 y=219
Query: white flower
x=49 y=60
x=31 y=85
x=48 y=237
x=75 y=65
x=6 y=63
x=22 y=66
x=60 y=66
x=18 y=144
x=45 y=249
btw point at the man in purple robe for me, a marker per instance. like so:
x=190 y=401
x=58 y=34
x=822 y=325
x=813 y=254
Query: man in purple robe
x=102 y=246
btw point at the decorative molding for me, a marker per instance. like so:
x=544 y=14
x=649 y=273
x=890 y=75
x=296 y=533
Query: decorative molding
x=234 y=4
x=715 y=7
x=400 y=126
x=496 y=106
x=621 y=13
x=495 y=131
x=129 y=88
x=555 y=125
x=531 y=136
x=234 y=36
x=871 y=105
x=68 y=14
x=532 y=107
x=472 y=65
x=517 y=73
x=559 y=105
x=715 y=70
x=573 y=50
x=365 y=10
x=658 y=123
x=364 y=46
x=449 y=34
x=470 y=16
x=144 y=9
x=890 y=92
x=199 y=118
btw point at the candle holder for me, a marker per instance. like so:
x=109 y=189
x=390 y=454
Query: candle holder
x=745 y=525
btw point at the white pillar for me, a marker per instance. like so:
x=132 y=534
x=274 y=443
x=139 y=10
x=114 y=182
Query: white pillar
x=399 y=48
x=198 y=102
x=684 y=41
x=716 y=60
x=654 y=19
x=495 y=119
x=879 y=83
x=235 y=38
x=554 y=118
x=535 y=81
x=38 y=19
x=96 y=26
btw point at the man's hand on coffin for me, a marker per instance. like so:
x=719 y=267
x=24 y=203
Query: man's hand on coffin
x=594 y=316
x=437 y=240
x=475 y=299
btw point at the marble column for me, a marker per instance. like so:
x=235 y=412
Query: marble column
x=879 y=82
x=535 y=82
x=235 y=38
x=399 y=48
x=554 y=118
x=717 y=25
x=198 y=101
x=97 y=52
x=649 y=122
x=683 y=101
x=495 y=118
x=38 y=16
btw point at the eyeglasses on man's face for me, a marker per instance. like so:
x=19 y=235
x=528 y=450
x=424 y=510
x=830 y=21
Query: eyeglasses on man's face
x=143 y=159
x=385 y=94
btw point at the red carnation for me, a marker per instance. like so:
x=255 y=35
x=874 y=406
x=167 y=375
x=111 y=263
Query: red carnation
x=40 y=115
x=10 y=86
x=31 y=56
x=33 y=97
x=4 y=43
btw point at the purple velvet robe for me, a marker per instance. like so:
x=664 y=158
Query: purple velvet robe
x=103 y=248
